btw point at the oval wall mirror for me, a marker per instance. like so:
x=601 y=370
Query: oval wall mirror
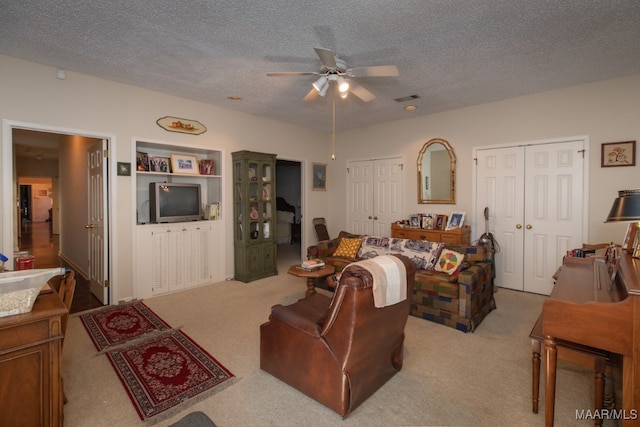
x=437 y=173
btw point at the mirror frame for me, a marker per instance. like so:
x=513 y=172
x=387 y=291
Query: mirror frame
x=452 y=177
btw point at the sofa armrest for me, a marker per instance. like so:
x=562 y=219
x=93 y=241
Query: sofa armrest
x=323 y=249
x=476 y=276
x=295 y=320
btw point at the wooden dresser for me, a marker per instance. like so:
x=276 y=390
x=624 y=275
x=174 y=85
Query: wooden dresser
x=31 y=365
x=458 y=236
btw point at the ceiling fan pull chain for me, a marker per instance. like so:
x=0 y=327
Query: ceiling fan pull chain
x=333 y=131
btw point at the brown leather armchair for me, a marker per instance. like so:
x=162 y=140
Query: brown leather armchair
x=338 y=350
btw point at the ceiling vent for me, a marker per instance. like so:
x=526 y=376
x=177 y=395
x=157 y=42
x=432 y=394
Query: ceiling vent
x=407 y=98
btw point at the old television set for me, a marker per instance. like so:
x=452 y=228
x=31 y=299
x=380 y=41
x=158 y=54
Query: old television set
x=174 y=202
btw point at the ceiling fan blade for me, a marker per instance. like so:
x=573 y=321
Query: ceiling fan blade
x=376 y=71
x=311 y=95
x=291 y=73
x=326 y=56
x=361 y=92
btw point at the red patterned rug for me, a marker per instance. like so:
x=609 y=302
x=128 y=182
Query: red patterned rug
x=164 y=371
x=115 y=325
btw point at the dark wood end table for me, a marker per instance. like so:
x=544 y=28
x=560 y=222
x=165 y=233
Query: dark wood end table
x=311 y=275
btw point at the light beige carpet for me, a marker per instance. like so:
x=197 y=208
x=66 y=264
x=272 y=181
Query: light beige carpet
x=449 y=378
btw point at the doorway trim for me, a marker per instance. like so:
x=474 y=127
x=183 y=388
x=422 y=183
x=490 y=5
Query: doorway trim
x=6 y=190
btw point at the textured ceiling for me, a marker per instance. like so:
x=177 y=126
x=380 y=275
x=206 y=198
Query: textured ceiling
x=451 y=53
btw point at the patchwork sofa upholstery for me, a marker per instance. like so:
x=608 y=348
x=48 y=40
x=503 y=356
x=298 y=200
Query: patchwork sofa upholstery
x=448 y=290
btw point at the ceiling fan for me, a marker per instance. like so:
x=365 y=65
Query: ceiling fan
x=335 y=71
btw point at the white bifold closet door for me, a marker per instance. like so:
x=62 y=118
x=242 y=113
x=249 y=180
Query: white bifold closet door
x=535 y=196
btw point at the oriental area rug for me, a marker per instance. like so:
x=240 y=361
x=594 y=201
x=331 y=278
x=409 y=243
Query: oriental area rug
x=160 y=367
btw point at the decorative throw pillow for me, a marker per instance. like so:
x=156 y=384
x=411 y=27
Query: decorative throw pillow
x=348 y=248
x=449 y=261
x=422 y=252
x=373 y=246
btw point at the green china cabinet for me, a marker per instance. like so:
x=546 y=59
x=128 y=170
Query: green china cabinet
x=253 y=215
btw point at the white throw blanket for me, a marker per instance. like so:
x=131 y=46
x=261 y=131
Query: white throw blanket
x=389 y=279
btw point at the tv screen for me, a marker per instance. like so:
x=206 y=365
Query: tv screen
x=172 y=202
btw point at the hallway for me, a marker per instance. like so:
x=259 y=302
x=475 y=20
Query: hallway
x=44 y=246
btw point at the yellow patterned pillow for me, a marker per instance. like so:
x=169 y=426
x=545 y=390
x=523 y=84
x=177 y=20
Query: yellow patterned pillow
x=348 y=248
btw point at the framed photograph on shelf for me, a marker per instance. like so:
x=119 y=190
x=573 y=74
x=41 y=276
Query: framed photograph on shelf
x=207 y=167
x=618 y=154
x=414 y=221
x=159 y=164
x=428 y=221
x=319 y=181
x=441 y=221
x=456 y=220
x=142 y=161
x=184 y=164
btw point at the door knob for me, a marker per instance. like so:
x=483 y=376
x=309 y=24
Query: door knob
x=88 y=226
x=519 y=226
x=375 y=217
x=370 y=217
x=529 y=226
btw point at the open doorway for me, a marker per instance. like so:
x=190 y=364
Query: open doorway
x=288 y=212
x=56 y=237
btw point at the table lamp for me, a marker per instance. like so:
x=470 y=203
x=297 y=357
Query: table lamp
x=626 y=207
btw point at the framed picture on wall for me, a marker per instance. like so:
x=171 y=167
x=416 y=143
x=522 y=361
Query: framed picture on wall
x=618 y=154
x=319 y=181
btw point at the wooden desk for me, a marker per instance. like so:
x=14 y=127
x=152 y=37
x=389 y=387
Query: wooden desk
x=31 y=365
x=585 y=311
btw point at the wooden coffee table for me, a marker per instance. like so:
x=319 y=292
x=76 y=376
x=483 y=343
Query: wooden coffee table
x=312 y=276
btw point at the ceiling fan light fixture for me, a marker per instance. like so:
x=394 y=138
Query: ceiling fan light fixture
x=343 y=85
x=320 y=84
x=323 y=91
x=344 y=94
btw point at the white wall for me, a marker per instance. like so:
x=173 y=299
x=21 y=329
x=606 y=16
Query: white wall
x=85 y=105
x=606 y=111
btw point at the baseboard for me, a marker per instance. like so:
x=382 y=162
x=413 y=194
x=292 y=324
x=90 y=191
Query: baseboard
x=74 y=266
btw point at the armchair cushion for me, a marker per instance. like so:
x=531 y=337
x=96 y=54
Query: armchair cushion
x=348 y=248
x=449 y=261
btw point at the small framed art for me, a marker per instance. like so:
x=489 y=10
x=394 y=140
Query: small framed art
x=159 y=164
x=124 y=169
x=207 y=167
x=618 y=154
x=441 y=221
x=142 y=161
x=184 y=164
x=456 y=220
x=319 y=177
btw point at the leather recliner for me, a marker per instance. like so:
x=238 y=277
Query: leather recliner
x=338 y=350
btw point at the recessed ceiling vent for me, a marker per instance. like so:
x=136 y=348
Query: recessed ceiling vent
x=407 y=98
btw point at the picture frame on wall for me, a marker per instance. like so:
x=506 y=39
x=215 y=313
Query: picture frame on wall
x=319 y=181
x=184 y=164
x=456 y=220
x=616 y=154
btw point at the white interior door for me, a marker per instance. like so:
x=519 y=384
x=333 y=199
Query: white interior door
x=535 y=198
x=374 y=194
x=97 y=223
x=500 y=184
x=554 y=214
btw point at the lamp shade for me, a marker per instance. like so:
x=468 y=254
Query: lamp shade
x=626 y=207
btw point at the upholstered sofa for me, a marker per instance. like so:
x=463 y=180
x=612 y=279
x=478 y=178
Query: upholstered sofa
x=453 y=284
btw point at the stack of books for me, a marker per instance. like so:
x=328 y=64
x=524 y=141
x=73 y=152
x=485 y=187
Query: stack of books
x=312 y=264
